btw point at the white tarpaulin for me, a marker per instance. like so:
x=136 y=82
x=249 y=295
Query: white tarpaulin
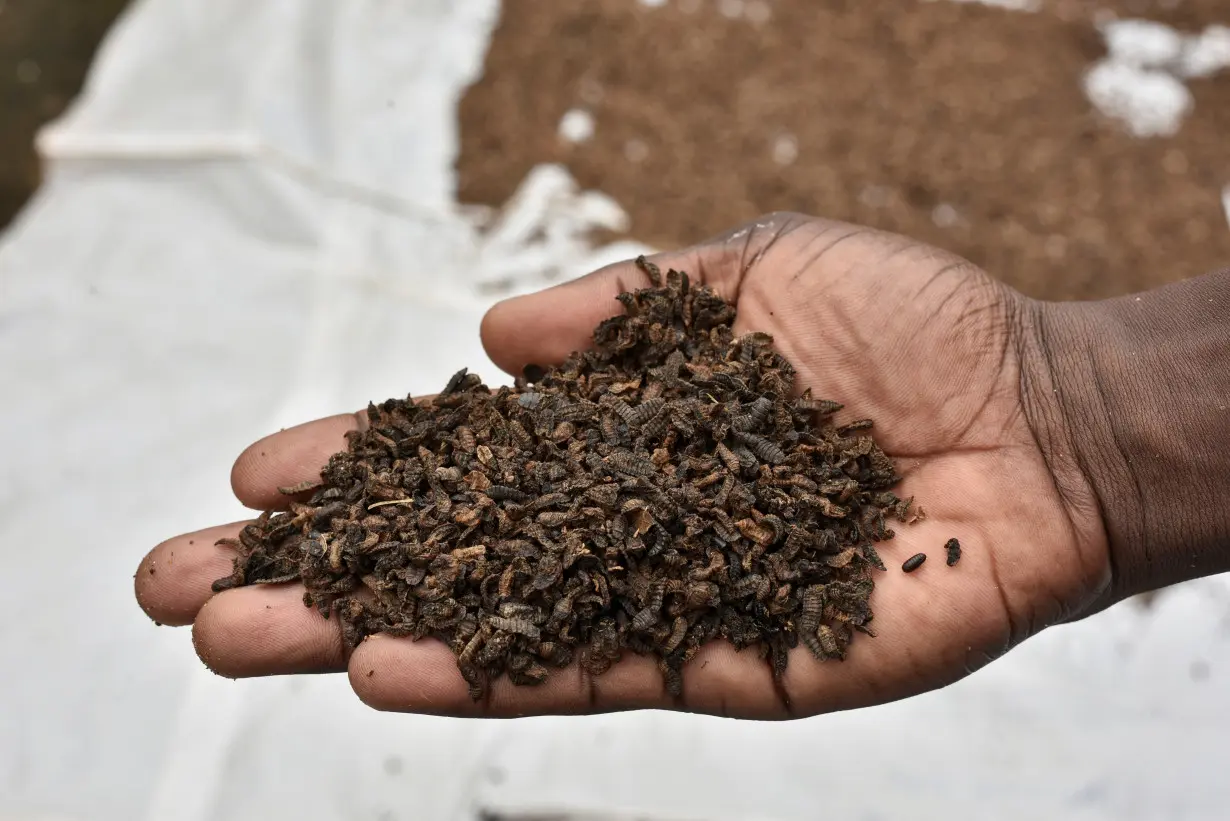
x=249 y=221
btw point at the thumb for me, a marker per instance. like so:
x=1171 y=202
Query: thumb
x=545 y=327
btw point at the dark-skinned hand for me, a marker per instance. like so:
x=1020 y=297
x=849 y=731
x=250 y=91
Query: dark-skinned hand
x=921 y=341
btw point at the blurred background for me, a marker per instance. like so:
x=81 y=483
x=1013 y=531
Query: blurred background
x=218 y=219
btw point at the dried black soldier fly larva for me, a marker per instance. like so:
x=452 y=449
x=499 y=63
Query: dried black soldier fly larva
x=914 y=562
x=954 y=551
x=661 y=490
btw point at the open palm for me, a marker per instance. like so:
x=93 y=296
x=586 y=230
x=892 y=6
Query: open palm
x=920 y=341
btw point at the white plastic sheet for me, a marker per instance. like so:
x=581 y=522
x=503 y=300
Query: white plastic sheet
x=249 y=221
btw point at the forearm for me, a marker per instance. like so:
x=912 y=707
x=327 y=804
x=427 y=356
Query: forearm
x=1138 y=422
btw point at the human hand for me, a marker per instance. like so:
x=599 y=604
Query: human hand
x=921 y=341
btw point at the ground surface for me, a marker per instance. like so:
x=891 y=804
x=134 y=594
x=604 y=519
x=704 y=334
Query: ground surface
x=956 y=123
x=45 y=50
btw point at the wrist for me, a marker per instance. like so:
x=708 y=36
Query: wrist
x=1129 y=400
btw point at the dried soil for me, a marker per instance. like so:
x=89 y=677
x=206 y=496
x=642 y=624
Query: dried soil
x=961 y=125
x=45 y=50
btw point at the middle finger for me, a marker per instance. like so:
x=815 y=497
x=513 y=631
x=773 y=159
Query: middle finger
x=174 y=580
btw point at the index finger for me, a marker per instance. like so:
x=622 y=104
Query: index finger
x=288 y=458
x=292 y=457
